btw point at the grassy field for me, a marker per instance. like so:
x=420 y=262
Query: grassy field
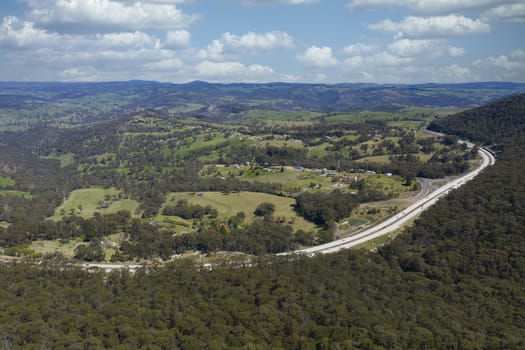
x=371 y=213
x=85 y=202
x=269 y=115
x=50 y=247
x=230 y=204
x=290 y=179
x=385 y=184
x=65 y=159
x=6 y=181
x=356 y=117
x=12 y=193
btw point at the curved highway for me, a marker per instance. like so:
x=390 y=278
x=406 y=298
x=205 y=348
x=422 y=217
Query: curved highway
x=395 y=222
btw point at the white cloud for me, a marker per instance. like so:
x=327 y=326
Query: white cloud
x=355 y=62
x=505 y=13
x=432 y=27
x=424 y=47
x=107 y=15
x=251 y=40
x=513 y=62
x=214 y=51
x=454 y=51
x=264 y=2
x=37 y=54
x=229 y=44
x=124 y=40
x=178 y=38
x=433 y=7
x=370 y=4
x=455 y=73
x=377 y=61
x=233 y=71
x=359 y=49
x=318 y=57
x=22 y=34
x=387 y=59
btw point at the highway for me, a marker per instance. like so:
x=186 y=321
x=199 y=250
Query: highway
x=110 y=267
x=397 y=221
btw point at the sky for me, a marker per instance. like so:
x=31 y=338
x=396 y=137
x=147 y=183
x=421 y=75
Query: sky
x=304 y=41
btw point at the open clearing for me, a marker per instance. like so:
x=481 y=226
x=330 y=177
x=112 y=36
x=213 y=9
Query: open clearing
x=85 y=202
x=6 y=181
x=230 y=204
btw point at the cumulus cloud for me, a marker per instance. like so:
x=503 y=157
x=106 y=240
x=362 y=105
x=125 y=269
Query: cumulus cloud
x=251 y=40
x=233 y=71
x=18 y=34
x=424 y=47
x=230 y=44
x=514 y=61
x=505 y=13
x=359 y=49
x=214 y=51
x=387 y=59
x=506 y=67
x=108 y=15
x=432 y=27
x=177 y=39
x=264 y=2
x=40 y=54
x=15 y=33
x=318 y=57
x=433 y=7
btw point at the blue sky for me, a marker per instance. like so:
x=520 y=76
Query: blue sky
x=327 y=41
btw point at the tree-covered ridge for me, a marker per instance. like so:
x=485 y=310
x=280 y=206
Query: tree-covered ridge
x=496 y=123
x=456 y=280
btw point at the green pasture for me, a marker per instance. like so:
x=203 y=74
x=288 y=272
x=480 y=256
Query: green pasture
x=230 y=204
x=269 y=115
x=290 y=179
x=85 y=202
x=278 y=143
x=200 y=143
x=54 y=246
x=361 y=116
x=6 y=181
x=65 y=159
x=386 y=184
x=13 y=193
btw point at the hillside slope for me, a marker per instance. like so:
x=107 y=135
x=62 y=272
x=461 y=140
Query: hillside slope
x=454 y=280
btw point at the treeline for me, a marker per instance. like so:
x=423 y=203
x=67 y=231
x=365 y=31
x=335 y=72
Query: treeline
x=143 y=240
x=324 y=209
x=68 y=228
x=257 y=238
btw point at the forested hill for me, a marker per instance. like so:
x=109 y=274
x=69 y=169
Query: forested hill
x=501 y=122
x=455 y=280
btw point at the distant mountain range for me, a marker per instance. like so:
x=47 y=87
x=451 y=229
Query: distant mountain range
x=212 y=100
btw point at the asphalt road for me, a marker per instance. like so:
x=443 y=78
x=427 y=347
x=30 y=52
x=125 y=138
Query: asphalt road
x=395 y=222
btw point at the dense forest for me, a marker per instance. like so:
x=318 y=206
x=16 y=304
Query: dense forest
x=455 y=280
